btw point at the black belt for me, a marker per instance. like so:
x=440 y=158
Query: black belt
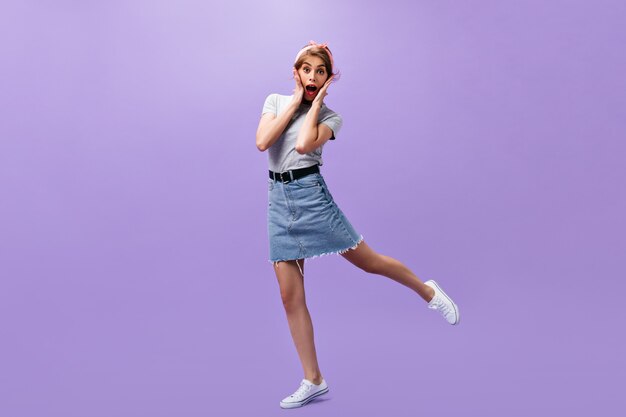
x=293 y=174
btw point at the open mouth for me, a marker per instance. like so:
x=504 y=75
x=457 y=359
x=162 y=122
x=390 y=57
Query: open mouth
x=311 y=88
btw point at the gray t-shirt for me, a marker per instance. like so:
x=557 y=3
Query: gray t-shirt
x=282 y=154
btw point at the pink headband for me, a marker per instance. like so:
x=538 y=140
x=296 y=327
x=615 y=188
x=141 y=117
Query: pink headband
x=313 y=44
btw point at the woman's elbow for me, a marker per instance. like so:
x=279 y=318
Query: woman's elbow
x=302 y=149
x=261 y=145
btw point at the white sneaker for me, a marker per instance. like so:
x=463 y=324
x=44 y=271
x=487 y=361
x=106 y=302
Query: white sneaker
x=304 y=394
x=443 y=303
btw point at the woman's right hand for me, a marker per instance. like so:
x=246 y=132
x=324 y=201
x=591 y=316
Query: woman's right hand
x=298 y=93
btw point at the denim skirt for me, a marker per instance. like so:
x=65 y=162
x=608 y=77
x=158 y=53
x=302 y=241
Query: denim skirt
x=303 y=220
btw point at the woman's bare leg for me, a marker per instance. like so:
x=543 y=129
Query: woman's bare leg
x=291 y=282
x=370 y=261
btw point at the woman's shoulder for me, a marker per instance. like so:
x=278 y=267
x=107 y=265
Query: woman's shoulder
x=277 y=100
x=276 y=103
x=328 y=112
x=276 y=96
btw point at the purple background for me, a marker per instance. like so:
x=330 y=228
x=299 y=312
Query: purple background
x=482 y=145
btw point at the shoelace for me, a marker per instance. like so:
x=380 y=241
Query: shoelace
x=441 y=306
x=304 y=388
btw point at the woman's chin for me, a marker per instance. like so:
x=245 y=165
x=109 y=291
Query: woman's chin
x=309 y=96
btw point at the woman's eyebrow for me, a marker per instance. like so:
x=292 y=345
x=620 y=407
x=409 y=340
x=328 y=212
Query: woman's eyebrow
x=321 y=65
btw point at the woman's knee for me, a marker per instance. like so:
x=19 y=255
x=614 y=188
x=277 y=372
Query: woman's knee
x=292 y=299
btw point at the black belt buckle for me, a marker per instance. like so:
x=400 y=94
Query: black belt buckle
x=285 y=180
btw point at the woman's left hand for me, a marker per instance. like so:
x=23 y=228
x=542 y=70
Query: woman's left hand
x=319 y=99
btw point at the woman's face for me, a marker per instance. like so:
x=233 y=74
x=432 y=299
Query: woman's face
x=313 y=75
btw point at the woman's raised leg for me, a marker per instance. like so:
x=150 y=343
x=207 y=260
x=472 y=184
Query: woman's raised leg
x=291 y=282
x=372 y=262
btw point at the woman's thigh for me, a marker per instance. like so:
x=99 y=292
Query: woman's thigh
x=290 y=279
x=364 y=257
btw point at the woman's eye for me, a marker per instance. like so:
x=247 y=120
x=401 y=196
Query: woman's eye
x=306 y=70
x=320 y=72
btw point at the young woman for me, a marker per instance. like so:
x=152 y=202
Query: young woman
x=303 y=219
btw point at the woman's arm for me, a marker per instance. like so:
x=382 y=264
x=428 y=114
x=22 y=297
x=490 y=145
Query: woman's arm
x=313 y=135
x=271 y=127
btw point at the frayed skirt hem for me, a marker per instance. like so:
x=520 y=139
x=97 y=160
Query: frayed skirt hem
x=337 y=252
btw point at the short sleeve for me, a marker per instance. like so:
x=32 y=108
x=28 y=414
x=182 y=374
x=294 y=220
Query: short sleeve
x=270 y=105
x=334 y=121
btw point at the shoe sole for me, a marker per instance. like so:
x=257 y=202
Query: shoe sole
x=456 y=309
x=305 y=402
